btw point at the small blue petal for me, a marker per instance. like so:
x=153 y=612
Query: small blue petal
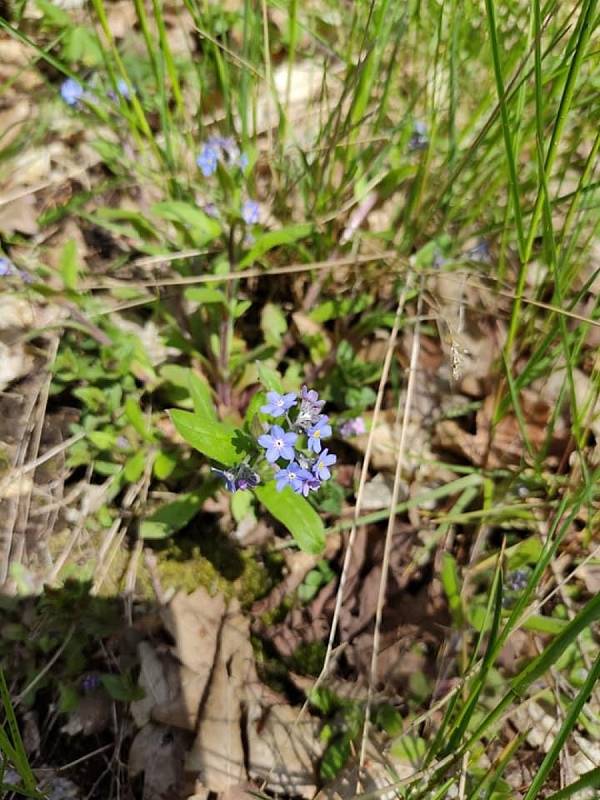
x=251 y=212
x=71 y=91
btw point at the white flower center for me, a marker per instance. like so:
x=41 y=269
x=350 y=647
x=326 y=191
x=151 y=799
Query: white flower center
x=278 y=443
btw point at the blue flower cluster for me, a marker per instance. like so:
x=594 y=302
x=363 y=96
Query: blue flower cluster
x=73 y=93
x=307 y=467
x=223 y=149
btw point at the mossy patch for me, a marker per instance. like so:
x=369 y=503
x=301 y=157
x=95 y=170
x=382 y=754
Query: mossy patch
x=217 y=565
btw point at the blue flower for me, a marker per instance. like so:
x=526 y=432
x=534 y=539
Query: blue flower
x=123 y=89
x=228 y=476
x=419 y=139
x=289 y=476
x=321 y=466
x=321 y=430
x=251 y=212
x=517 y=580
x=90 y=682
x=7 y=268
x=208 y=160
x=309 y=482
x=310 y=408
x=211 y=210
x=238 y=478
x=243 y=161
x=71 y=92
x=353 y=427
x=278 y=444
x=246 y=478
x=278 y=404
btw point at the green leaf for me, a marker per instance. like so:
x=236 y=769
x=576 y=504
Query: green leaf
x=201 y=397
x=269 y=377
x=541 y=624
x=589 y=780
x=409 y=749
x=135 y=415
x=273 y=324
x=134 y=467
x=296 y=513
x=103 y=440
x=54 y=15
x=81 y=45
x=217 y=440
x=241 y=505
x=120 y=687
x=68 y=698
x=271 y=239
x=202 y=228
x=171 y=517
x=565 y=731
x=164 y=465
x=239 y=308
x=334 y=757
x=142 y=226
x=205 y=295
x=451 y=584
x=68 y=265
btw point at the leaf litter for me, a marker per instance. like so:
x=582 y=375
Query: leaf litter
x=205 y=689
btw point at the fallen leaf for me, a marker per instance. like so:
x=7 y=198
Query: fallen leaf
x=386 y=442
x=15 y=363
x=282 y=753
x=502 y=444
x=378 y=493
x=157 y=752
x=15 y=312
x=541 y=728
x=182 y=711
x=12 y=120
x=590 y=575
x=154 y=681
x=92 y=715
x=217 y=754
x=194 y=621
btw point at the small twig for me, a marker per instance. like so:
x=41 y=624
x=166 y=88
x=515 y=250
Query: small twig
x=32 y=465
x=151 y=563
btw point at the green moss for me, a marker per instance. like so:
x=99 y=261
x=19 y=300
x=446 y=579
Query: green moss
x=215 y=564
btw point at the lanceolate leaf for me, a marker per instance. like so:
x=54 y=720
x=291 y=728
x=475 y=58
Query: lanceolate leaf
x=296 y=514
x=217 y=440
x=173 y=516
x=271 y=239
